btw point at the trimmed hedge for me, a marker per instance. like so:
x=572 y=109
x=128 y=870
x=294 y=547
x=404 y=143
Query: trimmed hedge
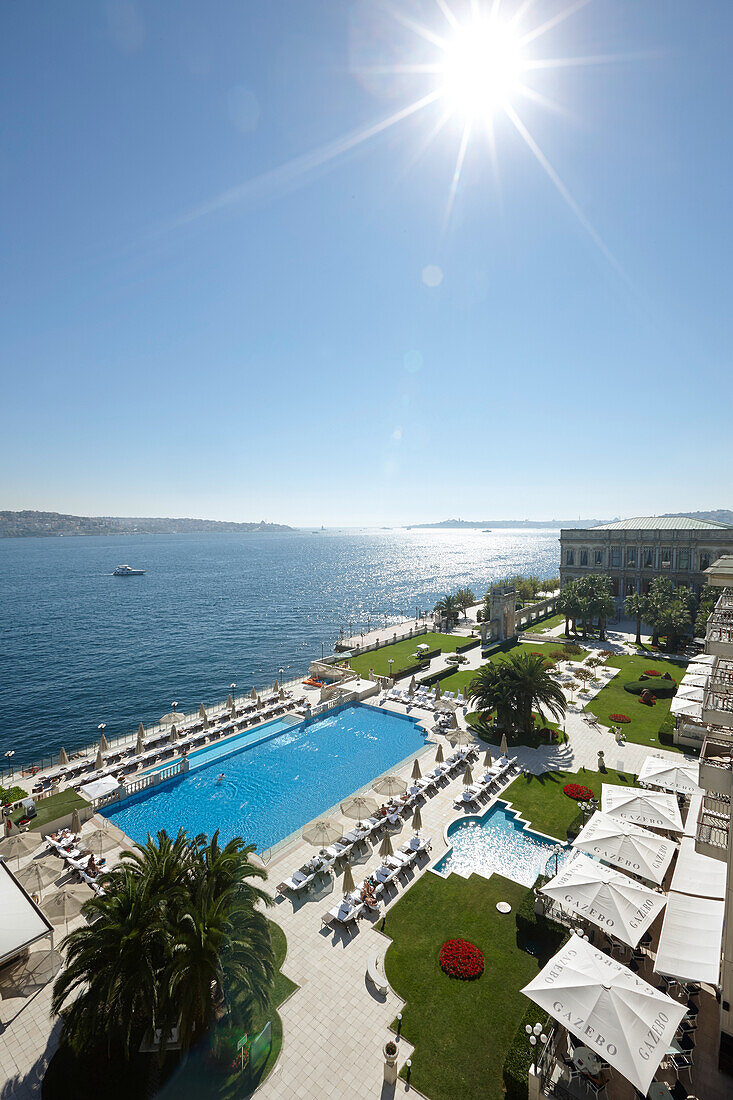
x=536 y=930
x=521 y=1055
x=434 y=677
x=663 y=689
x=410 y=670
x=470 y=644
x=666 y=731
x=428 y=654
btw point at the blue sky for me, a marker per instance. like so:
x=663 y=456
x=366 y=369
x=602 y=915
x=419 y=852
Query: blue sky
x=205 y=313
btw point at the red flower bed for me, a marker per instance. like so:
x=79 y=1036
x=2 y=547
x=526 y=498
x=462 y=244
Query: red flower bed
x=461 y=959
x=652 y=672
x=622 y=718
x=578 y=792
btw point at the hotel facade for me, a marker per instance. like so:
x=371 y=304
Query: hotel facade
x=633 y=552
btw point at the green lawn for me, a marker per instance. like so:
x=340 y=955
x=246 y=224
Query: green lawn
x=53 y=807
x=540 y=798
x=545 y=624
x=460 y=680
x=403 y=653
x=461 y=1030
x=643 y=729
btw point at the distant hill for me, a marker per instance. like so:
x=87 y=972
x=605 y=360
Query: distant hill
x=718 y=515
x=15 y=525
x=483 y=523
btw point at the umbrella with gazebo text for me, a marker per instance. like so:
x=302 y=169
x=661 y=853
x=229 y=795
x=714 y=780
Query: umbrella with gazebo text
x=634 y=849
x=591 y=994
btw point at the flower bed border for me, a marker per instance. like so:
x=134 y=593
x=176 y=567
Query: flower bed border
x=621 y=718
x=461 y=959
x=578 y=792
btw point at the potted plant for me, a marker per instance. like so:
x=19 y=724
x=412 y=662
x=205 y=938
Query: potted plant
x=390 y=1061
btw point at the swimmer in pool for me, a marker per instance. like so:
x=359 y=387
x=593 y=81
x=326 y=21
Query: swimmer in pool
x=219 y=778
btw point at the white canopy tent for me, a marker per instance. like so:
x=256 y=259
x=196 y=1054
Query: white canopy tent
x=690 y=691
x=21 y=921
x=99 y=787
x=627 y=846
x=679 y=778
x=695 y=679
x=696 y=874
x=614 y=902
x=601 y=1002
x=690 y=708
x=690 y=943
x=653 y=809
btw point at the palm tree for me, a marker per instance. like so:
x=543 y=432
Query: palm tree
x=179 y=938
x=492 y=691
x=675 y=621
x=112 y=970
x=661 y=594
x=465 y=598
x=447 y=606
x=635 y=605
x=534 y=688
x=567 y=604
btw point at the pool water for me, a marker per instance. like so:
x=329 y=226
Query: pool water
x=230 y=745
x=499 y=841
x=274 y=787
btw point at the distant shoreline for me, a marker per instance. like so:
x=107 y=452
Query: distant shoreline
x=30 y=524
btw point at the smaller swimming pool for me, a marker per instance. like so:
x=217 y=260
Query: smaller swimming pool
x=499 y=841
x=217 y=750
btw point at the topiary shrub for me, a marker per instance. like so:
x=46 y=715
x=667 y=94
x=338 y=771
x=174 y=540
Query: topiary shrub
x=666 y=731
x=663 y=689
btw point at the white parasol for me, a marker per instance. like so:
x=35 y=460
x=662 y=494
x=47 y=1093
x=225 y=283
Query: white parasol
x=625 y=845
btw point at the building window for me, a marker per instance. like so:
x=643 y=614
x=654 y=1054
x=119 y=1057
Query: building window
x=583 y=557
x=616 y=557
x=631 y=556
x=599 y=557
x=570 y=560
x=648 y=558
x=683 y=562
x=704 y=561
x=666 y=555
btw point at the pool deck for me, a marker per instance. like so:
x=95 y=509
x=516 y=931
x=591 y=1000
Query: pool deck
x=335 y=1024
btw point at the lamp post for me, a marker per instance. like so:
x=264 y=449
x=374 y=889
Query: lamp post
x=535 y=1033
x=281 y=677
x=390 y=662
x=557 y=851
x=9 y=757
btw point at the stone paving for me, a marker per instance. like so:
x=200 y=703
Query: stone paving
x=335 y=1023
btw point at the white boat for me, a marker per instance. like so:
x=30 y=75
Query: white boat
x=127 y=571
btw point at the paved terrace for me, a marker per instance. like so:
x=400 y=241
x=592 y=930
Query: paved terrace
x=335 y=1024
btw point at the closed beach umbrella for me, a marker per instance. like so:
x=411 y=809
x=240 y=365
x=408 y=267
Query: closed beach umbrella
x=173 y=735
x=230 y=701
x=202 y=712
x=467 y=777
x=349 y=885
x=437 y=689
x=75 y=822
x=504 y=747
x=416 y=820
x=592 y=994
x=487 y=759
x=322 y=832
x=439 y=755
x=103 y=744
x=100 y=841
x=416 y=773
x=63 y=758
x=140 y=744
x=282 y=693
x=275 y=688
x=259 y=703
x=390 y=785
x=36 y=877
x=453 y=722
x=359 y=806
x=385 y=848
x=412 y=686
x=65 y=903
x=18 y=844
x=253 y=694
x=99 y=762
x=233 y=712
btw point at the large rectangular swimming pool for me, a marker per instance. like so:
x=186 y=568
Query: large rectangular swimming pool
x=274 y=787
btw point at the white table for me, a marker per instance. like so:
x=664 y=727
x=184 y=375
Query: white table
x=586 y=1060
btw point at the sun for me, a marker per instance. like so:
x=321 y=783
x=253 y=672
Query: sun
x=481 y=68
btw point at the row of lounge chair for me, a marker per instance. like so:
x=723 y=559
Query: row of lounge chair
x=69 y=848
x=421 y=697
x=360 y=902
x=163 y=746
x=494 y=778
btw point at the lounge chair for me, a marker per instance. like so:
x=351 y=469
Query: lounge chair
x=296 y=883
x=385 y=874
x=417 y=844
